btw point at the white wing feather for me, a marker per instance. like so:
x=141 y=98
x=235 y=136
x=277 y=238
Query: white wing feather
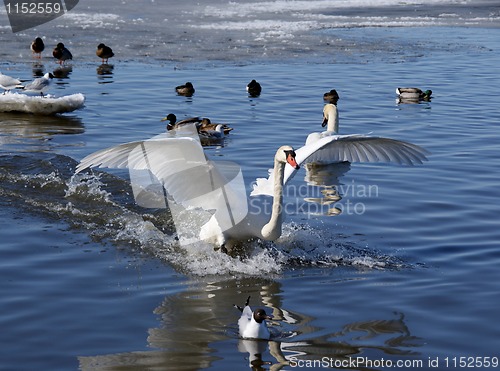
x=178 y=164
x=352 y=148
x=118 y=156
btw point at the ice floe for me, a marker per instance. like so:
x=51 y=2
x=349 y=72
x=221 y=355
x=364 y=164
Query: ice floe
x=47 y=105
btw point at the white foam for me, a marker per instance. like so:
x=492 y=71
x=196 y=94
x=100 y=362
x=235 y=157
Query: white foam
x=299 y=245
x=88 y=186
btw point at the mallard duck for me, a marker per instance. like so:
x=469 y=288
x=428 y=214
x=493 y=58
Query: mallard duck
x=173 y=123
x=61 y=53
x=202 y=124
x=254 y=89
x=331 y=96
x=104 y=52
x=413 y=94
x=186 y=90
x=207 y=125
x=37 y=47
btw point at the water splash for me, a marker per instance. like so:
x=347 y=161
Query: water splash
x=102 y=205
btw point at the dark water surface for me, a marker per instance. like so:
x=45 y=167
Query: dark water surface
x=407 y=272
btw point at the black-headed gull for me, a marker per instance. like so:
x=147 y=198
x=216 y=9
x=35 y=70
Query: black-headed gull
x=252 y=325
x=40 y=84
x=7 y=83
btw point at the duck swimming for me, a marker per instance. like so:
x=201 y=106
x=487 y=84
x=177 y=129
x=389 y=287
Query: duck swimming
x=202 y=124
x=186 y=90
x=254 y=89
x=331 y=96
x=414 y=94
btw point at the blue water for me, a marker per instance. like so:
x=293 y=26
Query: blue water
x=407 y=272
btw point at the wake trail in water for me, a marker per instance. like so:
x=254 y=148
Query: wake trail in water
x=102 y=205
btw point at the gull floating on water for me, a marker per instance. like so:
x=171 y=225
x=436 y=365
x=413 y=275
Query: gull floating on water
x=40 y=84
x=252 y=325
x=37 y=47
x=61 y=53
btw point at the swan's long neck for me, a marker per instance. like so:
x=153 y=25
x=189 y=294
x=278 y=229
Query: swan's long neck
x=333 y=118
x=272 y=230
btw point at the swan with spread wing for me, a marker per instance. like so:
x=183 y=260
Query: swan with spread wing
x=328 y=147
x=176 y=164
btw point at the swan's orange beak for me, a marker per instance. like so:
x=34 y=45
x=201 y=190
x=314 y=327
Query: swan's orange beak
x=290 y=158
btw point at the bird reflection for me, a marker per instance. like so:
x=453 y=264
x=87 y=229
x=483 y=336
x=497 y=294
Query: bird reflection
x=255 y=349
x=327 y=178
x=37 y=69
x=63 y=72
x=28 y=129
x=105 y=73
x=326 y=175
x=193 y=322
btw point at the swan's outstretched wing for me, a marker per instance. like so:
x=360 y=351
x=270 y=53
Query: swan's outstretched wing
x=351 y=148
x=361 y=148
x=178 y=167
x=118 y=156
x=358 y=148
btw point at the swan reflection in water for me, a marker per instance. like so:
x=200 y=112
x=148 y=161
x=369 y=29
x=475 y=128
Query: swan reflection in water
x=199 y=325
x=326 y=180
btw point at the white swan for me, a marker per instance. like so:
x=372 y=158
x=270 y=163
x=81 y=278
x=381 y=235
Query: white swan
x=329 y=148
x=331 y=117
x=175 y=163
x=330 y=120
